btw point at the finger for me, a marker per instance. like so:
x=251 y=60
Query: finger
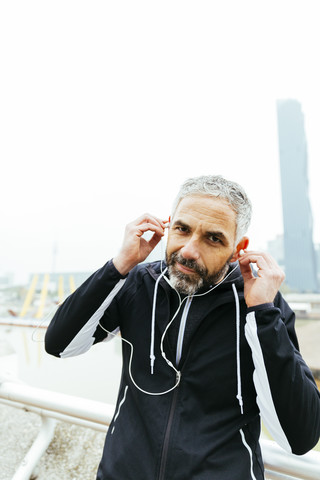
x=149 y=227
x=154 y=240
x=150 y=219
x=266 y=256
x=257 y=258
x=266 y=266
x=144 y=223
x=246 y=271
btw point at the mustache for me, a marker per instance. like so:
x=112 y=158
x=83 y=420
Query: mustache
x=176 y=257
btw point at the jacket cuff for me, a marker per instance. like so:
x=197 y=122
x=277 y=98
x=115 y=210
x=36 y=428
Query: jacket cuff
x=111 y=264
x=262 y=306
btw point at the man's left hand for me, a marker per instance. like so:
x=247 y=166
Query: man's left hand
x=264 y=287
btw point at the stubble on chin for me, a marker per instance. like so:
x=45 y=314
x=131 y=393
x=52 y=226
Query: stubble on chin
x=189 y=284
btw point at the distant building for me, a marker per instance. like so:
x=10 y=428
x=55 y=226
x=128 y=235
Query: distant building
x=299 y=252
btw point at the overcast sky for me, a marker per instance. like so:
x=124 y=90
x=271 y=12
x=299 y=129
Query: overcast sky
x=107 y=107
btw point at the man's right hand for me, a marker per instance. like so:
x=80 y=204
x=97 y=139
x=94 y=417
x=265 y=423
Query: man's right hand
x=135 y=248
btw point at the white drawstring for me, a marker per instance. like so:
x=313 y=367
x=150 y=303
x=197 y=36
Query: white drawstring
x=239 y=393
x=153 y=320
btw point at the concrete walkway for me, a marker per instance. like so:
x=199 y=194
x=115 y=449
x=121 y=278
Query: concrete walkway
x=74 y=453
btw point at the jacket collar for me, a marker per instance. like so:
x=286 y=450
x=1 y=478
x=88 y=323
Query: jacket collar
x=219 y=296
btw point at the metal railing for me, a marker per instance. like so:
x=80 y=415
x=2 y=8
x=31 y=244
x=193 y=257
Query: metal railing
x=282 y=465
x=53 y=406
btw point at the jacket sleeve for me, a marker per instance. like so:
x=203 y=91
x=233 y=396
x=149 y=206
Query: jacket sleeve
x=75 y=326
x=287 y=395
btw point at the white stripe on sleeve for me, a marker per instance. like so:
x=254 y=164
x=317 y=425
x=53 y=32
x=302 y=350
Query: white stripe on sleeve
x=261 y=382
x=84 y=338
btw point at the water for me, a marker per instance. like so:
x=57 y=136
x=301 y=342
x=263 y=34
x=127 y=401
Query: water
x=94 y=375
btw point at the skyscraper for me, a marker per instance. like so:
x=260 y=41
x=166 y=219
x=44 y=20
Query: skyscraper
x=299 y=252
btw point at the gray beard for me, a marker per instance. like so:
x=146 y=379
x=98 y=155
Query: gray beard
x=190 y=284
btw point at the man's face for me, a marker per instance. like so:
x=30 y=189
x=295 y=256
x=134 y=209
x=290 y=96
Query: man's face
x=201 y=242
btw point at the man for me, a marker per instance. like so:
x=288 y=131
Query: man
x=207 y=345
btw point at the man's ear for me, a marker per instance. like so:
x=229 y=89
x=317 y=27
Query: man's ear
x=242 y=245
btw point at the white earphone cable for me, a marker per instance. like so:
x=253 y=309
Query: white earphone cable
x=152 y=357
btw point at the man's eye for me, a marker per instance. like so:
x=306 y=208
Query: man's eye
x=214 y=239
x=182 y=229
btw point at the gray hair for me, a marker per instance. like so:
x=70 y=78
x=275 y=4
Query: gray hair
x=217 y=186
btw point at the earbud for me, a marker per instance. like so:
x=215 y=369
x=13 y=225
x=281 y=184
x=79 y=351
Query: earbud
x=241 y=252
x=167 y=223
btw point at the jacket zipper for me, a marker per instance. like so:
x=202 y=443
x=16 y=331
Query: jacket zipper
x=182 y=329
x=165 y=448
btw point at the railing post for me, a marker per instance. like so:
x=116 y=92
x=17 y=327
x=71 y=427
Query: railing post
x=37 y=449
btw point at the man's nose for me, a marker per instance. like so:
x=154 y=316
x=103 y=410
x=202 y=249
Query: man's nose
x=190 y=250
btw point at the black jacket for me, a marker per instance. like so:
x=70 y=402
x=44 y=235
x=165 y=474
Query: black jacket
x=233 y=367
